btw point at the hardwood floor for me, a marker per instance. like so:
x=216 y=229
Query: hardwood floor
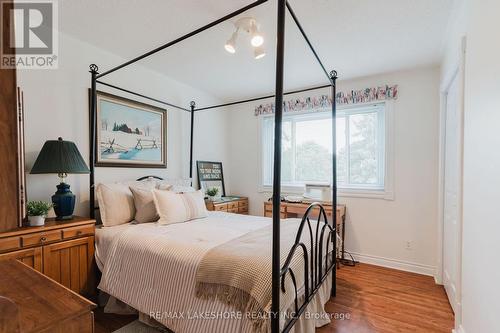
x=379 y=299
x=370 y=299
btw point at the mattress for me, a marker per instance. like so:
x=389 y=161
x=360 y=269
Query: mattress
x=163 y=284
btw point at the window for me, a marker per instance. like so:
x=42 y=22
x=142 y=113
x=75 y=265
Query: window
x=307 y=148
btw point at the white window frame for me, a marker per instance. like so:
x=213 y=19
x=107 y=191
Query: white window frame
x=387 y=193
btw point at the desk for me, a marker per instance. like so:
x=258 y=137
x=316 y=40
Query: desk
x=36 y=303
x=297 y=210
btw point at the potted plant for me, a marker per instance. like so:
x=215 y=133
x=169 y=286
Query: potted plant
x=212 y=192
x=37 y=211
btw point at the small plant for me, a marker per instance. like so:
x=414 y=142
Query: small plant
x=212 y=192
x=38 y=208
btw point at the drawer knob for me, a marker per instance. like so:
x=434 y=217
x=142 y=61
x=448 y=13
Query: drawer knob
x=79 y=232
x=43 y=239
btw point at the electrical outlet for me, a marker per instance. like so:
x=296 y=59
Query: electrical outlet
x=409 y=245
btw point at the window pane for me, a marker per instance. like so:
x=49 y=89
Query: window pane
x=341 y=151
x=313 y=150
x=286 y=152
x=363 y=148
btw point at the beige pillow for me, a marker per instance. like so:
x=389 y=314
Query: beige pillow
x=179 y=207
x=145 y=210
x=116 y=204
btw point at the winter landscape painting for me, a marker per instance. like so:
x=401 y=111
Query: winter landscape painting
x=129 y=133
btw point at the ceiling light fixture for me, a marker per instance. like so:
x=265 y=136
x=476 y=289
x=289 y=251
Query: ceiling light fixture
x=250 y=26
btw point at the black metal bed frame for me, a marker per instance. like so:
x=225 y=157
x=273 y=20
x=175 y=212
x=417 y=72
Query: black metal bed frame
x=316 y=266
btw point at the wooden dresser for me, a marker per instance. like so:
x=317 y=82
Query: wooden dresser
x=31 y=302
x=238 y=205
x=62 y=250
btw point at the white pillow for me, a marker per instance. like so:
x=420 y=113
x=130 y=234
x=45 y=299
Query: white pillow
x=179 y=207
x=180 y=189
x=165 y=183
x=116 y=202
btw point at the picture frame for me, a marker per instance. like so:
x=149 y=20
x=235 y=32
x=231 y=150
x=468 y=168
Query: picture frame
x=210 y=174
x=129 y=133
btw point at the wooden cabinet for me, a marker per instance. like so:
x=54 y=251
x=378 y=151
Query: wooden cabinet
x=62 y=250
x=238 y=205
x=31 y=257
x=70 y=263
x=36 y=303
x=11 y=160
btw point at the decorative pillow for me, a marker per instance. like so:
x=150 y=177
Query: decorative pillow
x=116 y=204
x=179 y=207
x=145 y=210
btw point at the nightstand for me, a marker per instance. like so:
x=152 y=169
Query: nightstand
x=61 y=250
x=238 y=205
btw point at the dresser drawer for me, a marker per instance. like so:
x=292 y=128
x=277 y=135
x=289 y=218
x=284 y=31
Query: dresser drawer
x=232 y=210
x=243 y=203
x=83 y=230
x=10 y=243
x=232 y=205
x=41 y=238
x=221 y=207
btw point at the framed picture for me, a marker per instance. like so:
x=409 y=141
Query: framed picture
x=130 y=133
x=210 y=175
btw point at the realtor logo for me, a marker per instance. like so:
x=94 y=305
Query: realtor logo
x=30 y=41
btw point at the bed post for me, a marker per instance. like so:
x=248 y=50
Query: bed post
x=193 y=105
x=276 y=265
x=333 y=77
x=92 y=149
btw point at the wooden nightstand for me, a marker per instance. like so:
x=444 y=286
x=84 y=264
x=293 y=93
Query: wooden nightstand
x=62 y=250
x=238 y=205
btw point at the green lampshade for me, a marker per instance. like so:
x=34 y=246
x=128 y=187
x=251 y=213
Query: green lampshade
x=58 y=156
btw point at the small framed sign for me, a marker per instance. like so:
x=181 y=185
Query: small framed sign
x=209 y=176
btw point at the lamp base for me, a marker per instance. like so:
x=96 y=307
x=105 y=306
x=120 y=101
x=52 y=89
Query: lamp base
x=64 y=202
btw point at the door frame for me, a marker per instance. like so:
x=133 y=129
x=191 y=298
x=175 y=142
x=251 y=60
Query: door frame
x=457 y=71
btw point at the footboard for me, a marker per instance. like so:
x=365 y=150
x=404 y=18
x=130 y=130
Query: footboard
x=317 y=265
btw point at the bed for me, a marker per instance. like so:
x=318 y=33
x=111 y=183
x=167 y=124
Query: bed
x=319 y=275
x=152 y=268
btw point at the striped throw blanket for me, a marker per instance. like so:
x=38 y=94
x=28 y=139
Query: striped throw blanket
x=238 y=272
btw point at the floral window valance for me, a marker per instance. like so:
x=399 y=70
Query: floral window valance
x=325 y=101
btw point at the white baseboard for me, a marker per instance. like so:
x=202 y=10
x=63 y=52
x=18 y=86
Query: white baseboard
x=460 y=329
x=395 y=264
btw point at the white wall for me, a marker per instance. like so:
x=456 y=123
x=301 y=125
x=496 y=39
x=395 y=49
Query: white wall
x=481 y=225
x=56 y=104
x=377 y=229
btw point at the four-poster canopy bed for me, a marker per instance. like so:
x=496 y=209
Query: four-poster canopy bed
x=316 y=266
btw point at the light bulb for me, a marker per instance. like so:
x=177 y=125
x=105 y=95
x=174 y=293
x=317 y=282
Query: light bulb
x=259 y=52
x=230 y=45
x=257 y=40
x=229 y=48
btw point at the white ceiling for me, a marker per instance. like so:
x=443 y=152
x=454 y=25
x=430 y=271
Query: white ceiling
x=357 y=38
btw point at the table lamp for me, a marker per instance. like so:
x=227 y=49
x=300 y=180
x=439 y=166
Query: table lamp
x=61 y=157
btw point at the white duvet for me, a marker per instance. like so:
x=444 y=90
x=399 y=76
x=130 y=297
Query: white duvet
x=152 y=268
